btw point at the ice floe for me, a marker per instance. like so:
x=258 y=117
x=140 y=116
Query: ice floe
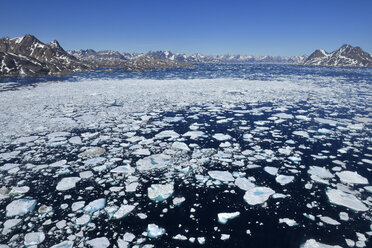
x=258 y=195
x=341 y=198
x=160 y=192
x=20 y=207
x=67 y=183
x=154 y=231
x=224 y=217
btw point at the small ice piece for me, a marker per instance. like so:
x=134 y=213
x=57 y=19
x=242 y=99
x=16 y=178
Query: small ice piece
x=324 y=131
x=244 y=183
x=64 y=244
x=95 y=205
x=289 y=222
x=341 y=198
x=368 y=188
x=92 y=152
x=34 y=238
x=76 y=140
x=123 y=211
x=83 y=220
x=301 y=133
x=283 y=180
x=351 y=177
x=344 y=216
x=160 y=192
x=201 y=240
x=312 y=243
x=77 y=205
x=20 y=207
x=86 y=174
x=221 y=137
x=224 y=217
x=131 y=187
x=10 y=224
x=167 y=134
x=258 y=195
x=102 y=242
x=19 y=190
x=194 y=135
x=157 y=161
x=223 y=176
x=154 y=231
x=329 y=220
x=142 y=152
x=318 y=174
x=271 y=170
x=350 y=243
x=67 y=183
x=129 y=237
x=124 y=169
x=225 y=236
x=179 y=237
x=177 y=201
x=180 y=146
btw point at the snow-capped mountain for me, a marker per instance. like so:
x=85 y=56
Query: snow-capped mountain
x=346 y=55
x=28 y=56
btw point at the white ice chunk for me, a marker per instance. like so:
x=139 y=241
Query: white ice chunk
x=160 y=192
x=20 y=207
x=341 y=198
x=223 y=176
x=34 y=238
x=102 y=242
x=77 y=205
x=167 y=134
x=123 y=211
x=83 y=220
x=180 y=146
x=244 y=183
x=76 y=140
x=10 y=224
x=177 y=201
x=64 y=244
x=329 y=220
x=194 y=134
x=301 y=133
x=95 y=205
x=142 y=152
x=351 y=177
x=154 y=231
x=312 y=243
x=221 y=136
x=225 y=236
x=92 y=152
x=179 y=237
x=271 y=170
x=258 y=195
x=289 y=222
x=67 y=183
x=157 y=161
x=283 y=180
x=224 y=217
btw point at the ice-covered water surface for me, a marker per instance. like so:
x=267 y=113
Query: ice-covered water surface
x=216 y=162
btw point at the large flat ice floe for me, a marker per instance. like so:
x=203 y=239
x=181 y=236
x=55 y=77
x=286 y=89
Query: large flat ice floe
x=258 y=195
x=160 y=192
x=20 y=207
x=341 y=198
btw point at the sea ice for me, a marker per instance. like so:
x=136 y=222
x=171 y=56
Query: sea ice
x=123 y=211
x=223 y=176
x=258 y=195
x=20 y=207
x=167 y=134
x=224 y=217
x=177 y=201
x=341 y=198
x=221 y=136
x=67 y=183
x=244 y=183
x=271 y=170
x=351 y=177
x=95 y=205
x=180 y=146
x=102 y=242
x=283 y=180
x=34 y=238
x=92 y=152
x=157 y=161
x=160 y=192
x=154 y=231
x=289 y=222
x=312 y=243
x=64 y=244
x=329 y=220
x=9 y=225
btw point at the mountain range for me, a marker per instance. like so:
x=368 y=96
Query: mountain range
x=29 y=56
x=346 y=55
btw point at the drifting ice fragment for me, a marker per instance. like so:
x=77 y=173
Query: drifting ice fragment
x=244 y=183
x=283 y=180
x=312 y=243
x=258 y=195
x=289 y=222
x=341 y=198
x=92 y=152
x=223 y=176
x=67 y=183
x=95 y=205
x=154 y=231
x=34 y=238
x=10 y=224
x=180 y=146
x=20 y=207
x=64 y=244
x=271 y=170
x=102 y=242
x=351 y=177
x=160 y=192
x=178 y=201
x=329 y=220
x=123 y=211
x=221 y=136
x=224 y=217
x=157 y=161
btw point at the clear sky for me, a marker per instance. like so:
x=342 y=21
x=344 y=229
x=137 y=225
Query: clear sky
x=271 y=27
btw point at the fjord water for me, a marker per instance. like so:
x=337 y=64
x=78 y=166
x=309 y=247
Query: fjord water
x=214 y=135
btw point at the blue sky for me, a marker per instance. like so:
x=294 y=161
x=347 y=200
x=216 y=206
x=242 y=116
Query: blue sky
x=272 y=27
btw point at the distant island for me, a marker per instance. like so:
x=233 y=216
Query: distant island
x=29 y=56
